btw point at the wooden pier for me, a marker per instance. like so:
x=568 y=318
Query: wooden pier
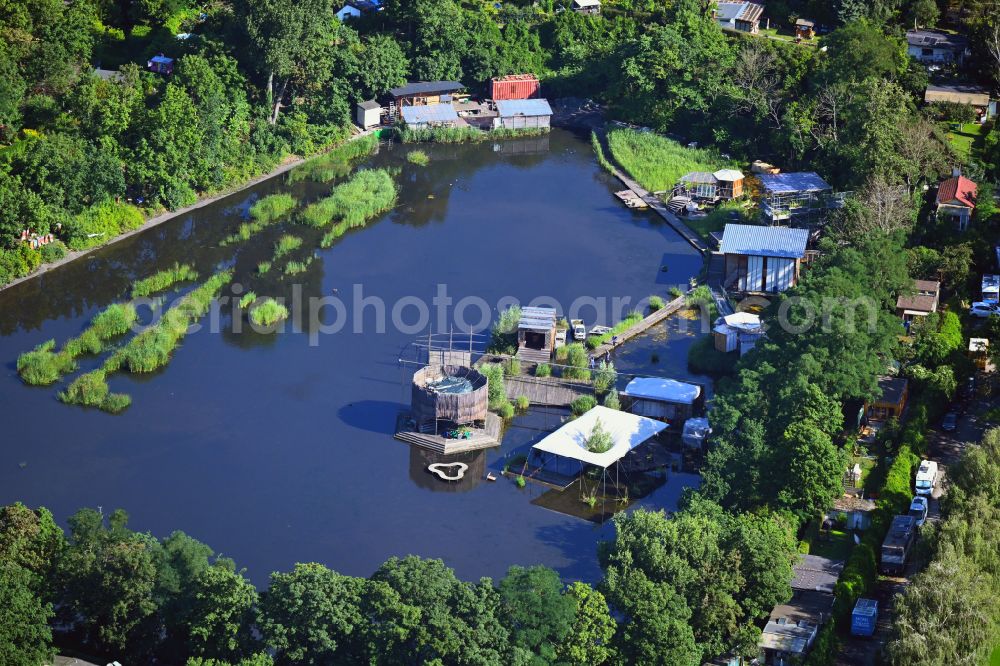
x=546 y=391
x=657 y=204
x=639 y=327
x=631 y=199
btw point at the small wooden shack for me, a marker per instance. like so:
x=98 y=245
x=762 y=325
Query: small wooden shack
x=536 y=334
x=664 y=399
x=805 y=28
x=762 y=259
x=922 y=302
x=423 y=93
x=730 y=183
x=739 y=331
x=893 y=393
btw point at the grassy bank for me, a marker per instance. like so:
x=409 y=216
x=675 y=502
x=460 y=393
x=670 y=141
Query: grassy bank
x=595 y=341
x=602 y=159
x=657 y=162
x=337 y=163
x=43 y=365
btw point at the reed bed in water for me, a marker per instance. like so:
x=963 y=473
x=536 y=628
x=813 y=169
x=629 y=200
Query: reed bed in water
x=163 y=279
x=43 y=365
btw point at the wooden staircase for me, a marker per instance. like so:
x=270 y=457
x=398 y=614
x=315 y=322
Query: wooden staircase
x=533 y=355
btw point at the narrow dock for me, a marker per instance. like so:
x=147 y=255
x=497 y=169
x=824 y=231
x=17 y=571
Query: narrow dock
x=657 y=204
x=547 y=391
x=640 y=327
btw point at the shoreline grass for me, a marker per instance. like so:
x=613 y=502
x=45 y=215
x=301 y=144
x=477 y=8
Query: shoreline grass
x=43 y=365
x=336 y=163
x=162 y=279
x=602 y=159
x=657 y=162
x=286 y=245
x=297 y=267
x=463 y=134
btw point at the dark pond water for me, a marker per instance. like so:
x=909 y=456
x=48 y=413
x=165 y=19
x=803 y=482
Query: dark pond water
x=273 y=450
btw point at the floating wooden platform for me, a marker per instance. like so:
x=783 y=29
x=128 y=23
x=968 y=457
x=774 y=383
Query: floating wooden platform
x=631 y=199
x=482 y=438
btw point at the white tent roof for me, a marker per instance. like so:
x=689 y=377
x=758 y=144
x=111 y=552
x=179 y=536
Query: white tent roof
x=627 y=431
x=667 y=390
x=729 y=175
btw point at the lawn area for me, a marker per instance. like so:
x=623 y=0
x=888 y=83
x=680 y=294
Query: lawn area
x=658 y=162
x=867 y=465
x=995 y=657
x=837 y=545
x=965 y=137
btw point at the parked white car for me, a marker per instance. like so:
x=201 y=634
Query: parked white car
x=983 y=309
x=918 y=509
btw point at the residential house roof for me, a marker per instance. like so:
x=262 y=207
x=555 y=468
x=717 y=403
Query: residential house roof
x=793 y=182
x=508 y=108
x=728 y=175
x=432 y=113
x=891 y=389
x=426 y=88
x=699 y=177
x=730 y=12
x=923 y=299
x=814 y=572
x=936 y=39
x=764 y=241
x=959 y=93
x=957 y=188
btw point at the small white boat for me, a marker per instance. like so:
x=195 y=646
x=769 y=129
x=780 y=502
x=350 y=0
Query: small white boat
x=599 y=330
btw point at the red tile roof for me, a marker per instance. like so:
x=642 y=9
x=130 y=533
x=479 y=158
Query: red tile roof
x=958 y=188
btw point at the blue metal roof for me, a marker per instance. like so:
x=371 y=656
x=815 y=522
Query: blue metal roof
x=161 y=59
x=788 y=183
x=433 y=113
x=761 y=241
x=523 y=107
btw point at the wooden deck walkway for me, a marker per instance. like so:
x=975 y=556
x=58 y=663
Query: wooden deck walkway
x=485 y=438
x=547 y=391
x=640 y=327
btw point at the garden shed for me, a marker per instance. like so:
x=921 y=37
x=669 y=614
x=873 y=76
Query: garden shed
x=523 y=114
x=536 y=334
x=369 y=114
x=739 y=331
x=921 y=302
x=891 y=399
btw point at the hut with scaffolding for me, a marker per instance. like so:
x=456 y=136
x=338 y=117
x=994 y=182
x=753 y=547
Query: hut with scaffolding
x=567 y=455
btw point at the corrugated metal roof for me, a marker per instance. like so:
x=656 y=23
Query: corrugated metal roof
x=523 y=107
x=433 y=113
x=764 y=241
x=425 y=87
x=788 y=183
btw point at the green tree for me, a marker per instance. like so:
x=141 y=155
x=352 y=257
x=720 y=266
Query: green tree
x=536 y=611
x=310 y=614
x=382 y=65
x=25 y=637
x=219 y=620
x=815 y=470
x=589 y=641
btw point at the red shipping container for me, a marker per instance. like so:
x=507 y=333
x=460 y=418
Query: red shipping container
x=515 y=86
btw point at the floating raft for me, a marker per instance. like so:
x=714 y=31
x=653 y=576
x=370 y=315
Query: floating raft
x=631 y=199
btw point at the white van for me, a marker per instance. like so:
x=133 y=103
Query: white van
x=927 y=475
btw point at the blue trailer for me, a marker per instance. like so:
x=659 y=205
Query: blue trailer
x=864 y=617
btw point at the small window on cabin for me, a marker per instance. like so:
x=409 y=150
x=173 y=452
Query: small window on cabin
x=927 y=52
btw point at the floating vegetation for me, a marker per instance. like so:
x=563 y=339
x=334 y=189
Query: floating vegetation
x=161 y=280
x=91 y=390
x=296 y=267
x=263 y=267
x=151 y=349
x=336 y=163
x=365 y=195
x=272 y=207
x=418 y=157
x=286 y=244
x=43 y=365
x=247 y=300
x=268 y=312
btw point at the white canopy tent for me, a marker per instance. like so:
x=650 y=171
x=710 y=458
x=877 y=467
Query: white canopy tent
x=627 y=431
x=666 y=390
